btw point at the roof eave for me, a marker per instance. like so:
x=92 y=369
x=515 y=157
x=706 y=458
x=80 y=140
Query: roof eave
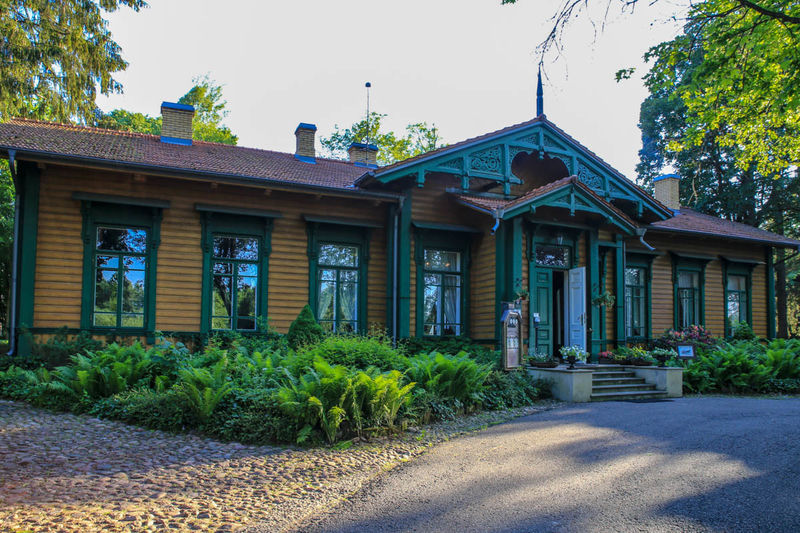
x=779 y=244
x=52 y=157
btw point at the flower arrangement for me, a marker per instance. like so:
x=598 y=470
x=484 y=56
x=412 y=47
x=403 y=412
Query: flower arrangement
x=542 y=360
x=520 y=292
x=606 y=357
x=574 y=351
x=697 y=335
x=662 y=355
x=605 y=299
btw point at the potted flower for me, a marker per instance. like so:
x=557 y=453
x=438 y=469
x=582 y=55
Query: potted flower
x=606 y=299
x=606 y=357
x=542 y=360
x=520 y=292
x=638 y=356
x=662 y=355
x=573 y=354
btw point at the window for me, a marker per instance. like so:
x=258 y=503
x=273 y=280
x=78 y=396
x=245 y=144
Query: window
x=736 y=298
x=442 y=293
x=120 y=254
x=236 y=246
x=636 y=305
x=338 y=281
x=548 y=255
x=235 y=266
x=688 y=305
x=120 y=277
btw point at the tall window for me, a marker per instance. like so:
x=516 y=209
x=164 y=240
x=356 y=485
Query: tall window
x=120 y=277
x=636 y=305
x=688 y=298
x=337 y=300
x=736 y=300
x=234 y=283
x=442 y=293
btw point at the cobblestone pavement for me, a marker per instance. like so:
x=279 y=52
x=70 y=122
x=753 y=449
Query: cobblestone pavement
x=61 y=472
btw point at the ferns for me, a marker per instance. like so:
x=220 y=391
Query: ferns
x=205 y=388
x=457 y=377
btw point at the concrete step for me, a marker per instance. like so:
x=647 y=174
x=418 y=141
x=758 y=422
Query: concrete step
x=623 y=388
x=617 y=381
x=640 y=395
x=620 y=374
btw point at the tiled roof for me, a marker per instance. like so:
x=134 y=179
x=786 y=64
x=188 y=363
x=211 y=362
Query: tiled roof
x=690 y=221
x=143 y=150
x=493 y=203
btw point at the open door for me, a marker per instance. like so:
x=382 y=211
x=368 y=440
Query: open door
x=577 y=307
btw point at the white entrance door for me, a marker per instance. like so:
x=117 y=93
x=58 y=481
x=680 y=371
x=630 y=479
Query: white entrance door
x=576 y=308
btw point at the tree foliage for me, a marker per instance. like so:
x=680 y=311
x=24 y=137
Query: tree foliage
x=418 y=139
x=56 y=55
x=205 y=96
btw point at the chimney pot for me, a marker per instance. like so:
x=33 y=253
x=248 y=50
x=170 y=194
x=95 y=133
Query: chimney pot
x=304 y=134
x=176 y=123
x=363 y=154
x=668 y=190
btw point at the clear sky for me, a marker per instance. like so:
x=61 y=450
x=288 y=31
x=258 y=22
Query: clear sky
x=469 y=66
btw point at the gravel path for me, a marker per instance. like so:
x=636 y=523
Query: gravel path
x=693 y=464
x=60 y=472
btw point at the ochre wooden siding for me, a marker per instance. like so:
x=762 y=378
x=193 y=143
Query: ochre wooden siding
x=483 y=286
x=179 y=271
x=662 y=305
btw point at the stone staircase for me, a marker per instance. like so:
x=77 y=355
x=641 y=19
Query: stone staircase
x=617 y=383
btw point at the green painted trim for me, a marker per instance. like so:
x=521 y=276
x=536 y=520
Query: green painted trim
x=228 y=210
x=500 y=282
x=737 y=268
x=603 y=251
x=641 y=259
x=28 y=183
x=100 y=213
x=515 y=254
x=619 y=288
x=390 y=304
x=444 y=227
x=689 y=263
x=341 y=221
x=593 y=290
x=120 y=200
x=234 y=224
x=319 y=233
x=771 y=305
x=459 y=242
x=404 y=269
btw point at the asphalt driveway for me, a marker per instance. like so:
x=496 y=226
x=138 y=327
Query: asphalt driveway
x=693 y=464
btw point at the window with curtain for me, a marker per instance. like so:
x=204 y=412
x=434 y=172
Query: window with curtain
x=337 y=298
x=120 y=274
x=736 y=300
x=442 y=293
x=234 y=268
x=688 y=298
x=636 y=307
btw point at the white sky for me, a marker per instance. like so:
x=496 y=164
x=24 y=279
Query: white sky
x=469 y=66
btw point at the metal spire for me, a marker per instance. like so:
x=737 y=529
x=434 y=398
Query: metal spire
x=539 y=95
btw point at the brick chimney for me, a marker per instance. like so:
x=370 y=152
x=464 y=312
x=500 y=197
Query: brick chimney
x=668 y=190
x=363 y=154
x=304 y=134
x=176 y=123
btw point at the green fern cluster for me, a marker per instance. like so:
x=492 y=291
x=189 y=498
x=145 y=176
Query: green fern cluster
x=456 y=377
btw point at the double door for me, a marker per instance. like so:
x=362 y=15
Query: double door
x=559 y=296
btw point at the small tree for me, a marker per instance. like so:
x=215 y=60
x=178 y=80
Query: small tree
x=305 y=329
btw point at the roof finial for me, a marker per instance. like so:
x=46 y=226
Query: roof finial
x=539 y=95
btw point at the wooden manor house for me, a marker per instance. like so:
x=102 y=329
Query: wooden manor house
x=126 y=234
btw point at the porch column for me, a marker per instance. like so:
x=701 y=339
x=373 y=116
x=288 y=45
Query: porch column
x=508 y=267
x=28 y=175
x=770 y=294
x=404 y=269
x=594 y=290
x=619 y=288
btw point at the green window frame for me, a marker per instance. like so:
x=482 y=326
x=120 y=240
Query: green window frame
x=120 y=257
x=338 y=282
x=688 y=279
x=432 y=244
x=737 y=287
x=637 y=303
x=236 y=248
x=325 y=276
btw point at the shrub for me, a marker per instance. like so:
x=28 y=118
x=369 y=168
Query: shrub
x=742 y=332
x=451 y=346
x=304 y=330
x=504 y=390
x=783 y=386
x=782 y=359
x=204 y=388
x=354 y=351
x=453 y=377
x=731 y=368
x=701 y=338
x=165 y=410
x=250 y=416
x=58 y=349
